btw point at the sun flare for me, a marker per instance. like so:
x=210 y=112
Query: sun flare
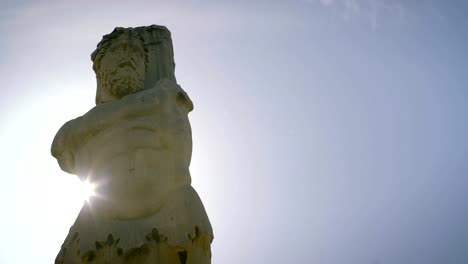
x=88 y=189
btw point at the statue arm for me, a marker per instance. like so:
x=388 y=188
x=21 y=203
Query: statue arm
x=131 y=106
x=76 y=131
x=60 y=148
x=105 y=115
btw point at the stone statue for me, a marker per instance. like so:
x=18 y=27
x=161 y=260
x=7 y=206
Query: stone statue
x=136 y=146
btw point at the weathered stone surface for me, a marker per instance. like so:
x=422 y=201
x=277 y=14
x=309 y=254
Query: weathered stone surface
x=136 y=146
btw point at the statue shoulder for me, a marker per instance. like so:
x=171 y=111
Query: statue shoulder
x=61 y=146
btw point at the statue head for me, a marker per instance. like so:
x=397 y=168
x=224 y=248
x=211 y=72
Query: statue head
x=120 y=62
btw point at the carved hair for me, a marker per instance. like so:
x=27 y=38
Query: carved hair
x=104 y=44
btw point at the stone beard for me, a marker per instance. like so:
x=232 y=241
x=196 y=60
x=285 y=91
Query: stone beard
x=123 y=80
x=136 y=145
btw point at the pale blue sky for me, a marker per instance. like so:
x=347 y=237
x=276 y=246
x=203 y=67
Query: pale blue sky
x=325 y=131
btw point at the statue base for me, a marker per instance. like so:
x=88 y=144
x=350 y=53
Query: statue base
x=178 y=233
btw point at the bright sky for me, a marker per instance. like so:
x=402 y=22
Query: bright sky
x=328 y=132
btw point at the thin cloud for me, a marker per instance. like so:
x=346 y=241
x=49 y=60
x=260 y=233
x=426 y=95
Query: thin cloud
x=326 y=2
x=371 y=10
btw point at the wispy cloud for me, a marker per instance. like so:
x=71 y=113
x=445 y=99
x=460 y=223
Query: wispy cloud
x=326 y=2
x=372 y=10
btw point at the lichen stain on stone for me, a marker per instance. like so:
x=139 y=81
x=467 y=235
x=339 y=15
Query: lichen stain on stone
x=89 y=256
x=110 y=240
x=140 y=251
x=75 y=236
x=182 y=256
x=155 y=250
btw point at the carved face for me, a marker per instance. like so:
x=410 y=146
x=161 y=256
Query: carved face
x=122 y=68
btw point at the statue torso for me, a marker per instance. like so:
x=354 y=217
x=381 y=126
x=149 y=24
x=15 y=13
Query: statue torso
x=129 y=163
x=134 y=159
